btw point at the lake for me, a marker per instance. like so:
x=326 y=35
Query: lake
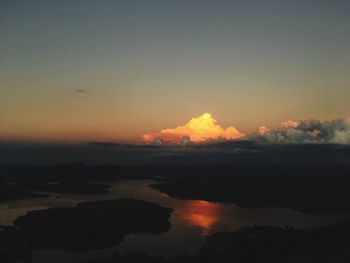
x=191 y=221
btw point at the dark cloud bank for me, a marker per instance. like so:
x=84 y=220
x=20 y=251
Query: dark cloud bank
x=336 y=131
x=223 y=153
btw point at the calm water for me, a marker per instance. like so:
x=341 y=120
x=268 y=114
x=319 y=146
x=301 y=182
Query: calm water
x=191 y=221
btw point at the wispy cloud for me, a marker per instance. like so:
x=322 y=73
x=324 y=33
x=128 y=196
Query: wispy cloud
x=81 y=90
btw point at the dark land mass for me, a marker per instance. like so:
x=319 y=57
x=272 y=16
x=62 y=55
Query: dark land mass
x=13 y=245
x=87 y=226
x=287 y=181
x=28 y=181
x=306 y=187
x=259 y=244
x=307 y=178
x=319 y=192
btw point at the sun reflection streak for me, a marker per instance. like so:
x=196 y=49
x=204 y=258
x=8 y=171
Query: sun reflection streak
x=202 y=214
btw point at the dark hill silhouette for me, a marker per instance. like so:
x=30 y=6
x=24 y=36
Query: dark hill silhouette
x=262 y=244
x=92 y=225
x=87 y=226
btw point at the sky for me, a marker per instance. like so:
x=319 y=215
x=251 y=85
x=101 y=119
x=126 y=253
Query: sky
x=79 y=70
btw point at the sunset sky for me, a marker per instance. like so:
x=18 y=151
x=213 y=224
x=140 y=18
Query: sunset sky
x=115 y=70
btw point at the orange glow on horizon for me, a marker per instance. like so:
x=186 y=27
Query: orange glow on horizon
x=198 y=129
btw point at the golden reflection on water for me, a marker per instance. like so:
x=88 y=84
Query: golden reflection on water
x=202 y=214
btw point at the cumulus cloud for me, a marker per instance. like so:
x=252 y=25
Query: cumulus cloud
x=200 y=129
x=289 y=124
x=205 y=129
x=263 y=130
x=307 y=131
